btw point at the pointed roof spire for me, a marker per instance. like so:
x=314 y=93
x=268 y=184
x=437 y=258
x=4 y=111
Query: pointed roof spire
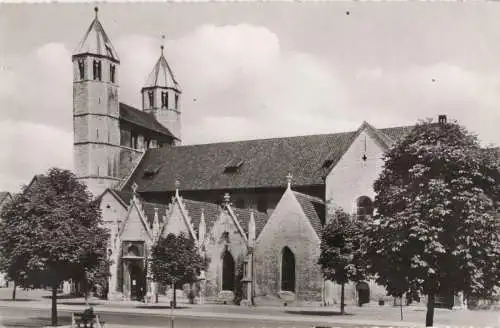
x=96 y=41
x=162 y=75
x=202 y=227
x=251 y=230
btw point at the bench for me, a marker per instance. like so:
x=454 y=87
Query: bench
x=86 y=320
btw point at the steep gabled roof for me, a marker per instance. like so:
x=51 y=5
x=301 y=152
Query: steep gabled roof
x=142 y=119
x=314 y=209
x=261 y=163
x=96 y=42
x=243 y=217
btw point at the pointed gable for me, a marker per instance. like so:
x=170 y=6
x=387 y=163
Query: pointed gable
x=177 y=221
x=96 y=42
x=135 y=226
x=296 y=217
x=360 y=165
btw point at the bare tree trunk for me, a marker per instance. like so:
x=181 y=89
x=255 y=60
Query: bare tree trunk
x=14 y=291
x=54 y=304
x=429 y=318
x=401 y=306
x=342 y=298
x=174 y=296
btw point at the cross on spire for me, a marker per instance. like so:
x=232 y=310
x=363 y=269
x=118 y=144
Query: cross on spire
x=96 y=9
x=162 y=43
x=227 y=198
x=177 y=185
x=289 y=178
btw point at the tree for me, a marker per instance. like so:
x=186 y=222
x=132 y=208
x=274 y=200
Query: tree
x=176 y=260
x=52 y=232
x=340 y=251
x=436 y=229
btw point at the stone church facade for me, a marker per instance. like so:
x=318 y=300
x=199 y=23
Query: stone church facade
x=255 y=208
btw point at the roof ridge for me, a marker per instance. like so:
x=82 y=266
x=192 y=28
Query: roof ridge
x=265 y=139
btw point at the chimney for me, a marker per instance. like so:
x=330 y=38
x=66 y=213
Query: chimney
x=442 y=119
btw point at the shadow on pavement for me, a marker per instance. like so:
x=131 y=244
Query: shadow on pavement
x=319 y=313
x=17 y=300
x=62 y=297
x=78 y=303
x=160 y=307
x=34 y=322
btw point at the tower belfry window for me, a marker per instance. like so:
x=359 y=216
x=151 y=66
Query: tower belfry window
x=164 y=99
x=97 y=70
x=112 y=69
x=176 y=101
x=81 y=68
x=151 y=97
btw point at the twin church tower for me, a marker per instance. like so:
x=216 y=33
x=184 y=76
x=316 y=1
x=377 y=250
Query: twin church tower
x=109 y=136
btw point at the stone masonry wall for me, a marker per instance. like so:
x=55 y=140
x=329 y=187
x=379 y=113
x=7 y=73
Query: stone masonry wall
x=288 y=226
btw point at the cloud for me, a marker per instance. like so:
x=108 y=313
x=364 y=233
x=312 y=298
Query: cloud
x=389 y=96
x=29 y=149
x=238 y=82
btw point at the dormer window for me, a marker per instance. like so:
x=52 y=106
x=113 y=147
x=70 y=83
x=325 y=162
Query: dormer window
x=233 y=166
x=112 y=69
x=97 y=70
x=81 y=68
x=164 y=99
x=151 y=97
x=327 y=163
x=176 y=101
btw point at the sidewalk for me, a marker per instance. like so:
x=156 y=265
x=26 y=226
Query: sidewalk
x=374 y=316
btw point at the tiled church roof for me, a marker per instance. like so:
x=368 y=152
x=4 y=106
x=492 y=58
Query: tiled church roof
x=314 y=209
x=142 y=119
x=243 y=216
x=255 y=163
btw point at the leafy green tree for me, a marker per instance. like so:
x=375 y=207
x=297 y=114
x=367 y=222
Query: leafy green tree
x=175 y=260
x=436 y=229
x=52 y=232
x=341 y=253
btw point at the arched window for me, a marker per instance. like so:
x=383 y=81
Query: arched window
x=364 y=207
x=151 y=97
x=228 y=271
x=81 y=68
x=288 y=270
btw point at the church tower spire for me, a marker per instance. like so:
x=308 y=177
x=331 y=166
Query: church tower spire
x=96 y=109
x=161 y=95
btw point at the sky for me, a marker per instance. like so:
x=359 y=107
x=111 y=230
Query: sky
x=253 y=70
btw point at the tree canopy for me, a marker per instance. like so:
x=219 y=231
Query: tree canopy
x=52 y=231
x=341 y=253
x=436 y=228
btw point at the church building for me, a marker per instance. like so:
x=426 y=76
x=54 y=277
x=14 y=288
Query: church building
x=255 y=208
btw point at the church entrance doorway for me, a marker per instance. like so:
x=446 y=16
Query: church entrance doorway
x=137 y=281
x=228 y=271
x=363 y=293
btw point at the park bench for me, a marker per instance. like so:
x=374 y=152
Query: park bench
x=86 y=319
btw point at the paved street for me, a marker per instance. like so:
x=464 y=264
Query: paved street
x=32 y=309
x=36 y=318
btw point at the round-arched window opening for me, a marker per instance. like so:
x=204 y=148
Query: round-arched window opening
x=364 y=207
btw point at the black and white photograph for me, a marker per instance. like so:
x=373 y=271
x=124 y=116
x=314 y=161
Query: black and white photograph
x=257 y=164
